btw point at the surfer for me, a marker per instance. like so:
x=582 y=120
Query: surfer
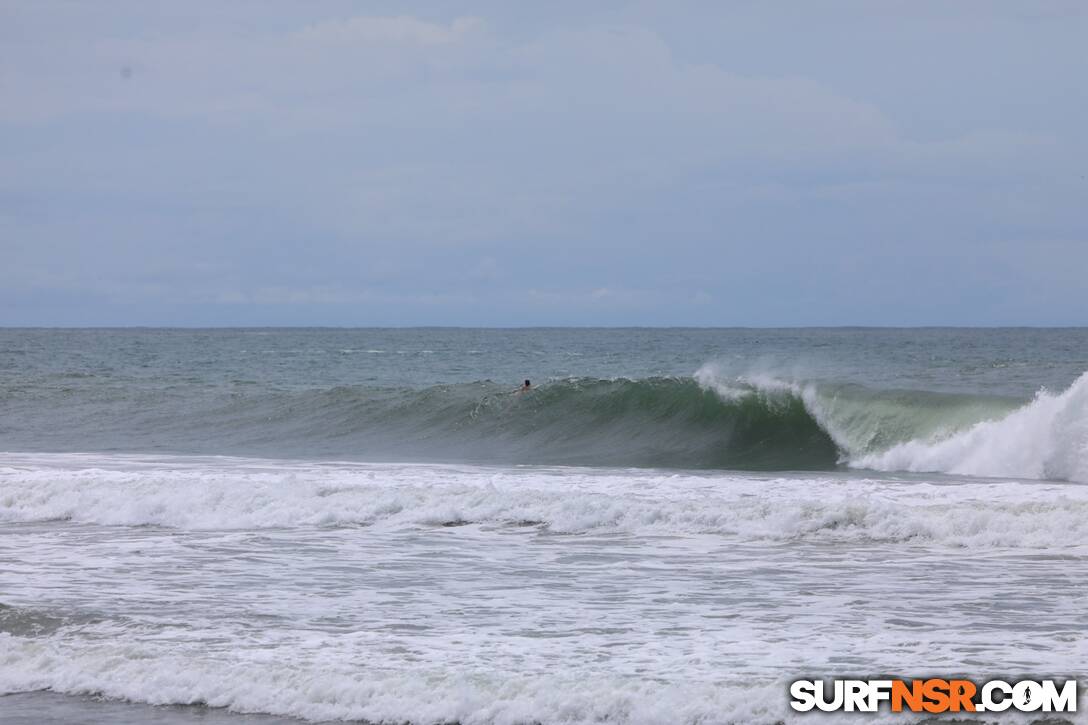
x=524 y=388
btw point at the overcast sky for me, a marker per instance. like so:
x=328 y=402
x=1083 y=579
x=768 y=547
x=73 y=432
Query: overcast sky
x=498 y=163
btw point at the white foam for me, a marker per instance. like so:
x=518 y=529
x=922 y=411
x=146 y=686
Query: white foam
x=1045 y=439
x=333 y=678
x=319 y=682
x=677 y=597
x=221 y=493
x=711 y=377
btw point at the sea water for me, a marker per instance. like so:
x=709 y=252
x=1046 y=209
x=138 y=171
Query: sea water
x=668 y=528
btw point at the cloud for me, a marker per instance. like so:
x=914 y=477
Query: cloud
x=618 y=160
x=368 y=31
x=375 y=72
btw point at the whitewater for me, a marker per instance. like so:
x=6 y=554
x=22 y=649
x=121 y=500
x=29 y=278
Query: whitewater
x=1046 y=438
x=433 y=593
x=285 y=526
x=214 y=494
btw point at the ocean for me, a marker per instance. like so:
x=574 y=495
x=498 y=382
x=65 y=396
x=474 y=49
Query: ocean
x=284 y=525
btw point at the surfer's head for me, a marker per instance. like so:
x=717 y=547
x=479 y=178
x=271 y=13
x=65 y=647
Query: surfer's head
x=527 y=383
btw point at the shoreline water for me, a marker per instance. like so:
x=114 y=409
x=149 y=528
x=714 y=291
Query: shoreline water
x=424 y=594
x=51 y=708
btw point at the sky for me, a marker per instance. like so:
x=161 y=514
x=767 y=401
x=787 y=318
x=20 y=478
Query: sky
x=563 y=163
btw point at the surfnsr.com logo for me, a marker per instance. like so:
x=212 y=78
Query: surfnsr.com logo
x=933 y=695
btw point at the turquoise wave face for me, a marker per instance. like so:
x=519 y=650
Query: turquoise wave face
x=660 y=421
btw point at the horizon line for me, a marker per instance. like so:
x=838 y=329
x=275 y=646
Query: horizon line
x=553 y=327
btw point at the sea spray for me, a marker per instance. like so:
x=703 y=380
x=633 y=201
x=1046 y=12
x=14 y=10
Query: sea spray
x=1047 y=438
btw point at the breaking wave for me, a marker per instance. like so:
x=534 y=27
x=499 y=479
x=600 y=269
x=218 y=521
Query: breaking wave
x=708 y=421
x=1046 y=438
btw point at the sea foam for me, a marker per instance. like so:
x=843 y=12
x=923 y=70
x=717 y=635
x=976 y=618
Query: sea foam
x=320 y=683
x=1046 y=438
x=227 y=493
